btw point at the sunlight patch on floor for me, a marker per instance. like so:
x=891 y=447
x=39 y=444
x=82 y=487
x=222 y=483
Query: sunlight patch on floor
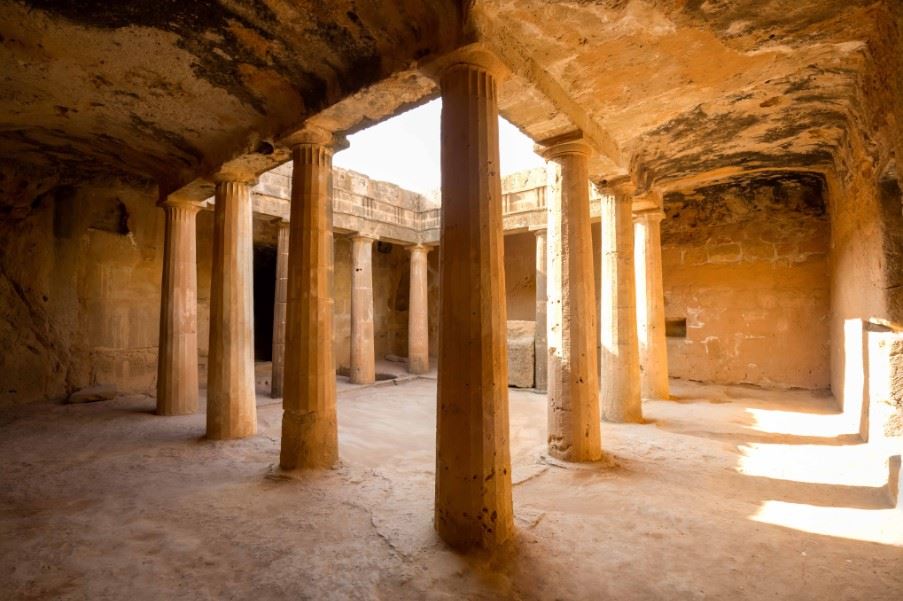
x=883 y=526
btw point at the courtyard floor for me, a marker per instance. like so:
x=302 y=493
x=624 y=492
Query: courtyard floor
x=726 y=493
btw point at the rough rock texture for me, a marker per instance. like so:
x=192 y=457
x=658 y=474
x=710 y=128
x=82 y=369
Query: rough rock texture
x=746 y=265
x=520 y=353
x=92 y=394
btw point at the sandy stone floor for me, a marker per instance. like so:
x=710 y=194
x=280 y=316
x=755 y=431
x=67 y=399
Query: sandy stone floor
x=728 y=493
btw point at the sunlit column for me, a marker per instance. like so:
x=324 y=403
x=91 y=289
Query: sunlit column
x=541 y=349
x=418 y=312
x=279 y=310
x=231 y=397
x=651 y=305
x=177 y=361
x=620 y=377
x=573 y=382
x=363 y=360
x=309 y=427
x=473 y=464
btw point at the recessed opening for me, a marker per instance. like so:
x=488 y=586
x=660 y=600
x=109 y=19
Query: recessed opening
x=676 y=328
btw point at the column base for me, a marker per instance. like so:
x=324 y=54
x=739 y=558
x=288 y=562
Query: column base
x=309 y=441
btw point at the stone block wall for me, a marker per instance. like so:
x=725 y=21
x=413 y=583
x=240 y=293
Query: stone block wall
x=746 y=266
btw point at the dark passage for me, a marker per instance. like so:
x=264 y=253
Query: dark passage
x=264 y=296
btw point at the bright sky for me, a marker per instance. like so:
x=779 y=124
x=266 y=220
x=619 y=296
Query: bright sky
x=404 y=150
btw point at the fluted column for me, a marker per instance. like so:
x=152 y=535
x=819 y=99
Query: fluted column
x=540 y=344
x=418 y=312
x=177 y=360
x=574 y=428
x=279 y=310
x=363 y=360
x=309 y=428
x=231 y=399
x=651 y=305
x=473 y=464
x=620 y=377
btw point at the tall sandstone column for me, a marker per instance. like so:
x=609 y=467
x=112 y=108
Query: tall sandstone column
x=279 y=303
x=177 y=361
x=309 y=427
x=473 y=464
x=540 y=344
x=363 y=360
x=574 y=428
x=418 y=312
x=231 y=399
x=620 y=379
x=651 y=305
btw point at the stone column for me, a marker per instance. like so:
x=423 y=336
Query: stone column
x=231 y=398
x=363 y=361
x=473 y=464
x=177 y=360
x=574 y=428
x=651 y=305
x=620 y=379
x=540 y=345
x=309 y=428
x=279 y=310
x=418 y=312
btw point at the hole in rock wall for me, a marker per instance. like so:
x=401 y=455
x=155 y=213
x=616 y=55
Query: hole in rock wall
x=676 y=328
x=111 y=216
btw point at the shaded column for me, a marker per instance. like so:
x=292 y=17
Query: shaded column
x=177 y=359
x=573 y=381
x=473 y=464
x=309 y=427
x=418 y=312
x=363 y=361
x=651 y=305
x=620 y=377
x=231 y=399
x=540 y=344
x=279 y=310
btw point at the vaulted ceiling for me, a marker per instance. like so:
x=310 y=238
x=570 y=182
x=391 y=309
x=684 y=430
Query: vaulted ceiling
x=664 y=89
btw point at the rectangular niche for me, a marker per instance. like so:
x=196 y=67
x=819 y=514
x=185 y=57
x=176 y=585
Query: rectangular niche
x=676 y=328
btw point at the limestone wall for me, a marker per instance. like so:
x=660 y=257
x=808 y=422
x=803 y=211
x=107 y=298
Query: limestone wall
x=79 y=292
x=867 y=286
x=746 y=265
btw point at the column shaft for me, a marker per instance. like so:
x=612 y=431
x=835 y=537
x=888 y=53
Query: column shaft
x=418 y=313
x=363 y=360
x=651 y=306
x=541 y=347
x=279 y=303
x=231 y=399
x=473 y=465
x=620 y=379
x=177 y=360
x=309 y=428
x=574 y=422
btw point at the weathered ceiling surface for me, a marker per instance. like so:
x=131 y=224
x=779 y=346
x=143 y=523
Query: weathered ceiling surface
x=168 y=89
x=685 y=87
x=667 y=90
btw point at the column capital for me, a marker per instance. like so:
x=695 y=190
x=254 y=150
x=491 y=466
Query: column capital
x=573 y=143
x=181 y=202
x=474 y=56
x=649 y=215
x=426 y=248
x=237 y=174
x=363 y=237
x=283 y=223
x=313 y=135
x=539 y=230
